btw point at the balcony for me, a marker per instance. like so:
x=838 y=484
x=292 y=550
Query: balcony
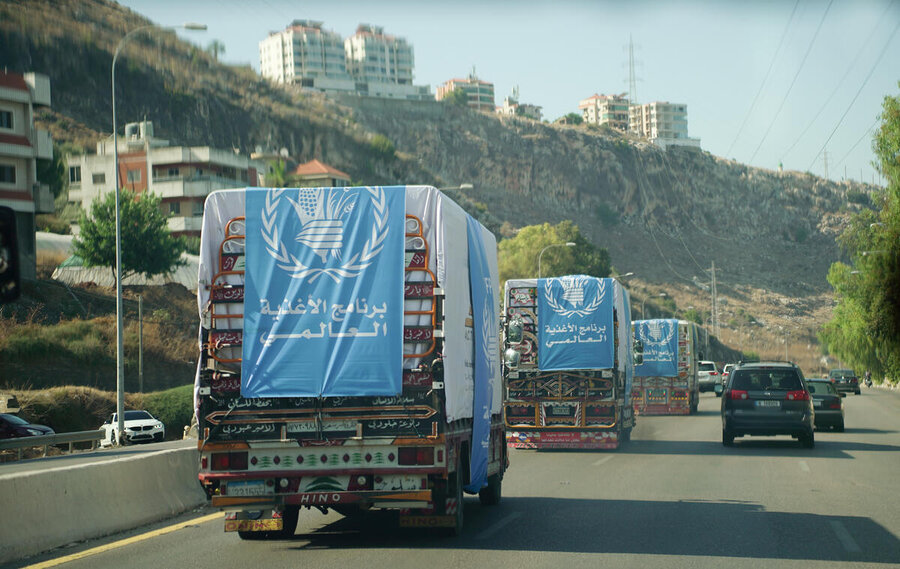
x=192 y=186
x=181 y=224
x=43 y=144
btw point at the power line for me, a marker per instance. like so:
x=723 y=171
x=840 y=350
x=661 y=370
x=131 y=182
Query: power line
x=840 y=83
x=855 y=144
x=796 y=75
x=861 y=87
x=765 y=79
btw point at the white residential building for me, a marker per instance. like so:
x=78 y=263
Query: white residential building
x=479 y=94
x=664 y=123
x=21 y=145
x=305 y=54
x=611 y=110
x=512 y=107
x=182 y=176
x=369 y=62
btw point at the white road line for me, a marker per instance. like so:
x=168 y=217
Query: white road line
x=803 y=466
x=604 y=459
x=498 y=526
x=844 y=537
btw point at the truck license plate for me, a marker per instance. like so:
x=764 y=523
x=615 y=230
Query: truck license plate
x=248 y=488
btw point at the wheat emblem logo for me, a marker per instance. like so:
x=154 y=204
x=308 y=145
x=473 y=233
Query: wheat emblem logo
x=322 y=230
x=490 y=343
x=656 y=333
x=573 y=294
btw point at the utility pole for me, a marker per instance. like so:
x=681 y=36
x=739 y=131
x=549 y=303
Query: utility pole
x=714 y=301
x=140 y=344
x=825 y=159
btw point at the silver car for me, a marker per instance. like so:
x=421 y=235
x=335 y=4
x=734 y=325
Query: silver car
x=707 y=375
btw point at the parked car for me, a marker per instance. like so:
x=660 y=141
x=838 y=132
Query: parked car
x=140 y=427
x=13 y=426
x=767 y=399
x=827 y=403
x=844 y=380
x=720 y=385
x=707 y=375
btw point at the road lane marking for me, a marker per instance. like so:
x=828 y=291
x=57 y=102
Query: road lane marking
x=604 y=459
x=803 y=466
x=844 y=537
x=498 y=526
x=124 y=542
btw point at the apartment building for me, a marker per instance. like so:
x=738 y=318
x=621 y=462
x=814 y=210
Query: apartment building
x=21 y=146
x=480 y=94
x=306 y=54
x=370 y=62
x=512 y=107
x=664 y=123
x=181 y=175
x=611 y=110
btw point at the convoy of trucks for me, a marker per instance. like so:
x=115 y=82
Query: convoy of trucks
x=568 y=363
x=666 y=383
x=349 y=356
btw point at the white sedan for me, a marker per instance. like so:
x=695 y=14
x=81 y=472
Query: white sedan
x=140 y=426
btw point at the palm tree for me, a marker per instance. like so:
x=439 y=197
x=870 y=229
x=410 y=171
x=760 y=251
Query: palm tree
x=214 y=48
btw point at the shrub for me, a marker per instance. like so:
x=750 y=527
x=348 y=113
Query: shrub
x=855 y=195
x=607 y=214
x=174 y=407
x=382 y=147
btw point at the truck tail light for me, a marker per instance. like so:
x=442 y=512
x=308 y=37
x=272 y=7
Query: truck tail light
x=801 y=395
x=229 y=461
x=425 y=455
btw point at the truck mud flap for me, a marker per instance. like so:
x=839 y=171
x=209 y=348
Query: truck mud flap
x=417 y=521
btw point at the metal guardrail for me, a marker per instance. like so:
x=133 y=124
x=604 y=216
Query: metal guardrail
x=21 y=443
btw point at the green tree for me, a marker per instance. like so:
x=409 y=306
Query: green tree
x=277 y=175
x=215 y=48
x=457 y=97
x=864 y=330
x=573 y=118
x=147 y=246
x=53 y=171
x=519 y=255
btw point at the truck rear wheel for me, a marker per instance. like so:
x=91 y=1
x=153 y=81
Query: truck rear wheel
x=491 y=494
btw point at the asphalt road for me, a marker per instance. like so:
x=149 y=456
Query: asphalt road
x=673 y=497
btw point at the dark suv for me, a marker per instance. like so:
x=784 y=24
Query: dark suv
x=767 y=398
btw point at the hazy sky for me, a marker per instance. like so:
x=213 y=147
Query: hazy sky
x=711 y=55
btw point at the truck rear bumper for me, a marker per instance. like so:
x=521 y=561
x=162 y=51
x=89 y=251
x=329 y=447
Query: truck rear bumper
x=563 y=439
x=401 y=499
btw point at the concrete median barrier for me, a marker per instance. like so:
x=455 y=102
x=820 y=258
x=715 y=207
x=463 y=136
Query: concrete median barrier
x=44 y=509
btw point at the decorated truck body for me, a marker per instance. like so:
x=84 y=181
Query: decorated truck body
x=665 y=383
x=568 y=363
x=349 y=356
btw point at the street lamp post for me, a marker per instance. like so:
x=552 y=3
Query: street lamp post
x=461 y=188
x=661 y=295
x=541 y=254
x=120 y=340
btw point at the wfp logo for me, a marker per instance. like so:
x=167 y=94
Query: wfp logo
x=657 y=333
x=573 y=295
x=321 y=214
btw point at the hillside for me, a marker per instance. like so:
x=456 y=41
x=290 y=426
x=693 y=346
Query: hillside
x=666 y=216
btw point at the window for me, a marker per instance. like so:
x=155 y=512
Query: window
x=75 y=174
x=172 y=172
x=7 y=174
x=198 y=208
x=98 y=178
x=133 y=176
x=174 y=208
x=6 y=119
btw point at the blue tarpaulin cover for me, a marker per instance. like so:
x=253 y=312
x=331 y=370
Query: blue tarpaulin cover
x=484 y=314
x=323 y=301
x=660 y=339
x=576 y=323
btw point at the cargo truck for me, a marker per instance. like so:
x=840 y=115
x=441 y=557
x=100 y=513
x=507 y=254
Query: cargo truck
x=568 y=363
x=666 y=382
x=349 y=356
